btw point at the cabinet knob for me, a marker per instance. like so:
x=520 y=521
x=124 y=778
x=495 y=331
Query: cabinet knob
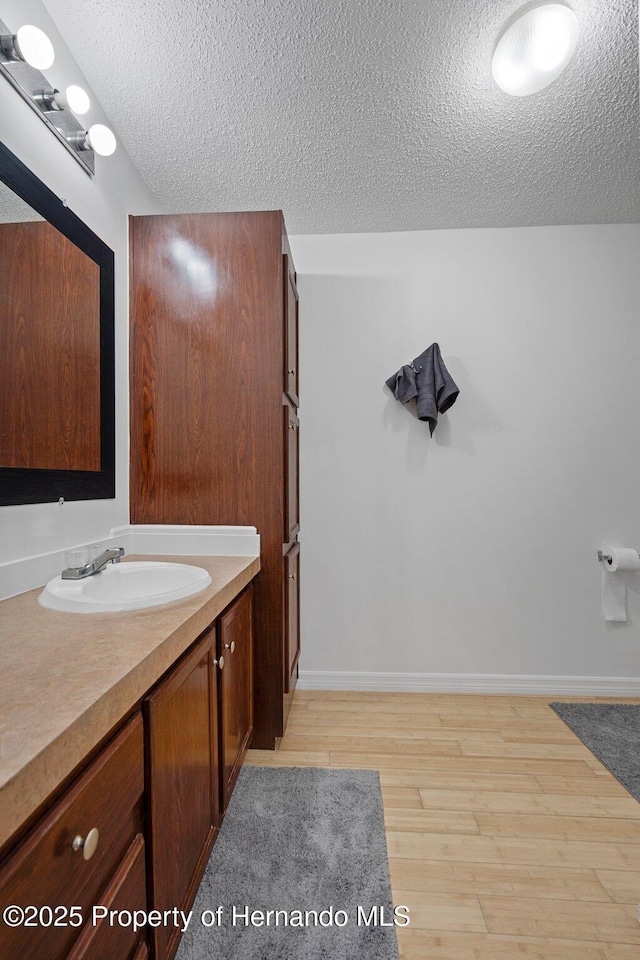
x=219 y=663
x=88 y=844
x=292 y=576
x=292 y=426
x=293 y=372
x=230 y=646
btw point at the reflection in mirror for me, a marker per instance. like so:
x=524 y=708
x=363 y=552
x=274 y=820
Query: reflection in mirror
x=49 y=345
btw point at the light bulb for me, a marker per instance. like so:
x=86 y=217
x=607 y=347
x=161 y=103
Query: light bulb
x=534 y=50
x=34 y=46
x=77 y=99
x=101 y=139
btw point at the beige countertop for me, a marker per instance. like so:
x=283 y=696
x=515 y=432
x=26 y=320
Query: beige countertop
x=66 y=679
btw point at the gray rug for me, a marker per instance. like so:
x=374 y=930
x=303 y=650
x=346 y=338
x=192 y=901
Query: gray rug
x=297 y=839
x=612 y=733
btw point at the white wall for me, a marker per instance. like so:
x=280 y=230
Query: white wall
x=103 y=203
x=473 y=552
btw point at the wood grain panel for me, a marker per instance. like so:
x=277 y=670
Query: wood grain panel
x=498 y=879
x=49 y=351
x=292 y=615
x=455 y=945
x=290 y=332
x=235 y=644
x=556 y=918
x=563 y=827
x=623 y=886
x=179 y=787
x=207 y=443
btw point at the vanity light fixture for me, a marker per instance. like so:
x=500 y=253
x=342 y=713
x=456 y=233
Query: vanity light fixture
x=22 y=56
x=29 y=44
x=534 y=48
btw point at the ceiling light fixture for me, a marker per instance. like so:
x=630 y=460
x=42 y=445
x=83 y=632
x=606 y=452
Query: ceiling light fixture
x=534 y=49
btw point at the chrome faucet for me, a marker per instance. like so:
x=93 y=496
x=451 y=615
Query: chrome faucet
x=111 y=555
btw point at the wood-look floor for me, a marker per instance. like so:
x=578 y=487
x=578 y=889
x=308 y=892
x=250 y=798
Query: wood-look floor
x=507 y=839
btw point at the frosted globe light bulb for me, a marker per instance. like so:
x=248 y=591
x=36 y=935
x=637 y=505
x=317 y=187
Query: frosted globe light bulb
x=77 y=99
x=534 y=50
x=101 y=139
x=34 y=46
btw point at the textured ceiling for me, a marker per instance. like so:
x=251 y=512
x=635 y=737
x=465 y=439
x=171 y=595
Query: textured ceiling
x=363 y=115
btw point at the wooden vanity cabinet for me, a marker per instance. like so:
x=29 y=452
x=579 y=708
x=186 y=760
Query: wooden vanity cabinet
x=182 y=784
x=198 y=728
x=213 y=377
x=49 y=870
x=235 y=628
x=152 y=800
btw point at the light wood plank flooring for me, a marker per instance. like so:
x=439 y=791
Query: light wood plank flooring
x=507 y=839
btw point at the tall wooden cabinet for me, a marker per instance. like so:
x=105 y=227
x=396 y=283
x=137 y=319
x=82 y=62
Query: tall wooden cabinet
x=214 y=397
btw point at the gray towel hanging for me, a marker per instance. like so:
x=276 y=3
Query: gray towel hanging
x=427 y=379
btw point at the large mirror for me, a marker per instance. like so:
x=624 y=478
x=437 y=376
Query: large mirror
x=56 y=347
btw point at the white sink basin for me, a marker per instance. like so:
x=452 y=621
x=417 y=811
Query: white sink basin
x=125 y=586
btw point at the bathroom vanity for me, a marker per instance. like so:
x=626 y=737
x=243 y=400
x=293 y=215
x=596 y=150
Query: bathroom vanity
x=121 y=739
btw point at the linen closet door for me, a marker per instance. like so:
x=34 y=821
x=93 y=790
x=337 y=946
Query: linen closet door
x=214 y=316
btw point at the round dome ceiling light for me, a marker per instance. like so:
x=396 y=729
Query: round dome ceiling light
x=34 y=47
x=534 y=49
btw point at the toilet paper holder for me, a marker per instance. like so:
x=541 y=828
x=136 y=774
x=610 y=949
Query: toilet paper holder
x=607 y=556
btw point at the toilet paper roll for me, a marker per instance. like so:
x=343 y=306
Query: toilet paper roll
x=622 y=558
x=614 y=591
x=614 y=596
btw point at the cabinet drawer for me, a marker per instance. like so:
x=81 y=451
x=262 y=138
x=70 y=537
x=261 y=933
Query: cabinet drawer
x=126 y=892
x=45 y=870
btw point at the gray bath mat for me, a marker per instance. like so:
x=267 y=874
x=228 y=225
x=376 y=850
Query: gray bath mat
x=612 y=733
x=294 y=840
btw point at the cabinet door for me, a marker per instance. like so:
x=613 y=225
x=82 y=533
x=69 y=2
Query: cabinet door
x=290 y=333
x=292 y=616
x=181 y=775
x=292 y=452
x=235 y=644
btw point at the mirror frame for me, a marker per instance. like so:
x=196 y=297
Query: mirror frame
x=20 y=485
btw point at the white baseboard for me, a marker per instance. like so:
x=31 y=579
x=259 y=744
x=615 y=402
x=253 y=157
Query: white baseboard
x=470 y=683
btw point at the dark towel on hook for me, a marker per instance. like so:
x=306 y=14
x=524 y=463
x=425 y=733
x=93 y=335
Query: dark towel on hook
x=427 y=379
